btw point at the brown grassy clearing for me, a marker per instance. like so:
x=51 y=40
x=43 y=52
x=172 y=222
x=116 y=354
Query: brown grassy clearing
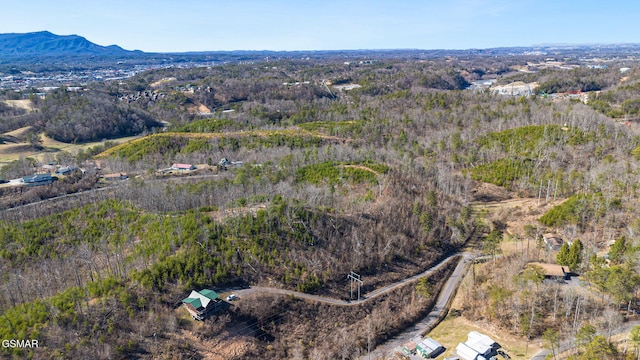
x=18 y=133
x=17 y=150
x=22 y=104
x=452 y=331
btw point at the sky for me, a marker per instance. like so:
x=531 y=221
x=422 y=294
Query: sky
x=213 y=25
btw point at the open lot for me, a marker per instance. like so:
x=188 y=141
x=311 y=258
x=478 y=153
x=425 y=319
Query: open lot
x=15 y=147
x=454 y=329
x=22 y=104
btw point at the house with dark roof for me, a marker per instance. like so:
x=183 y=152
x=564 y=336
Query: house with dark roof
x=115 y=176
x=201 y=304
x=66 y=170
x=37 y=179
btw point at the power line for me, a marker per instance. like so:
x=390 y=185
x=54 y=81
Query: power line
x=250 y=327
x=354 y=278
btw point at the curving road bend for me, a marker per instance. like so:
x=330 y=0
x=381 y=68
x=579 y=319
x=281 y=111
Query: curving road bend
x=365 y=297
x=428 y=322
x=439 y=311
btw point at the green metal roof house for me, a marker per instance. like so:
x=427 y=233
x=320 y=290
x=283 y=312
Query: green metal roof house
x=201 y=304
x=429 y=348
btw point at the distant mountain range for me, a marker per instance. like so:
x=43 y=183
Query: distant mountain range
x=46 y=44
x=44 y=51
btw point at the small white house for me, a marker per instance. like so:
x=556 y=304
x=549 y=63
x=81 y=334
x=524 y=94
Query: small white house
x=477 y=347
x=183 y=167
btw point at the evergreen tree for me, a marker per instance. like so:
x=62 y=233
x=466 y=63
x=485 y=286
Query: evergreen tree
x=492 y=242
x=634 y=338
x=585 y=335
x=563 y=255
x=617 y=250
x=552 y=337
x=600 y=348
x=575 y=255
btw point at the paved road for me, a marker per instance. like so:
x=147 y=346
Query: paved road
x=438 y=312
x=366 y=297
x=541 y=355
x=424 y=325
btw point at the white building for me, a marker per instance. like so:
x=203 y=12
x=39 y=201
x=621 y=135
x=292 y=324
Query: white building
x=477 y=347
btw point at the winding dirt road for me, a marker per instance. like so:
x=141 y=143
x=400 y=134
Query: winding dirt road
x=364 y=298
x=439 y=311
x=420 y=328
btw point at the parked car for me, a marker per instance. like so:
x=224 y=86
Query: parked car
x=232 y=297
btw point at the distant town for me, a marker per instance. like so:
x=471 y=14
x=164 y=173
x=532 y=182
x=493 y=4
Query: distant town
x=46 y=81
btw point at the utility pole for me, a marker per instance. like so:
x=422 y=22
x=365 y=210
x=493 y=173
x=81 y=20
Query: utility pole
x=548 y=188
x=539 y=192
x=353 y=277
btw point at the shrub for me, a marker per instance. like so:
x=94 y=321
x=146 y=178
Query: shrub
x=502 y=172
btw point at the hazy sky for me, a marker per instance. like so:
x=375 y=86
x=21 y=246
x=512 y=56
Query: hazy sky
x=200 y=25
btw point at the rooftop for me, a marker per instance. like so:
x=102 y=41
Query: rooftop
x=551 y=269
x=201 y=299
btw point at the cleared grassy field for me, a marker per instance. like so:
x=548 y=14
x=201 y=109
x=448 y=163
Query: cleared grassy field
x=10 y=151
x=454 y=329
x=23 y=104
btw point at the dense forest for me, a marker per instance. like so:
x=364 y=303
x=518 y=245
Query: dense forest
x=373 y=167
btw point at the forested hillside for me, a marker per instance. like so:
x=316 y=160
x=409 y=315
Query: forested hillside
x=306 y=171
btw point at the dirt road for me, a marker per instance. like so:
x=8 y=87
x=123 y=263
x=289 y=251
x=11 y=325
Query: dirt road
x=432 y=319
x=427 y=323
x=366 y=297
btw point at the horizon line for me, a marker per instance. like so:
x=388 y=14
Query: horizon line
x=539 y=45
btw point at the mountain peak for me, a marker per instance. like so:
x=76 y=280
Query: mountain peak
x=46 y=44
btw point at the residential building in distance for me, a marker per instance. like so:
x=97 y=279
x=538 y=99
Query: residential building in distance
x=183 y=167
x=427 y=348
x=66 y=170
x=553 y=271
x=517 y=88
x=409 y=348
x=37 y=179
x=115 y=176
